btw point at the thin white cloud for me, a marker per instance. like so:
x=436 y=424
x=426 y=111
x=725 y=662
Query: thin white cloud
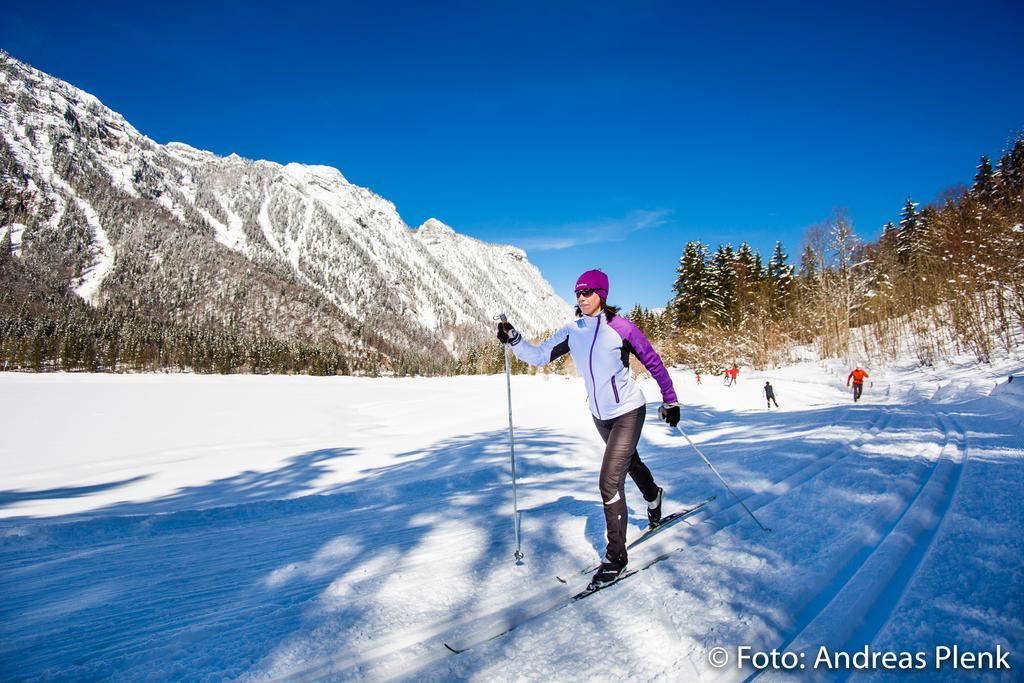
x=591 y=232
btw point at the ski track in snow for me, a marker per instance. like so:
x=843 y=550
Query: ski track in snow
x=882 y=566
x=409 y=546
x=728 y=513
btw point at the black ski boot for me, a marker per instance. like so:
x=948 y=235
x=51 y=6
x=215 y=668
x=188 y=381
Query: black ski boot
x=608 y=573
x=654 y=509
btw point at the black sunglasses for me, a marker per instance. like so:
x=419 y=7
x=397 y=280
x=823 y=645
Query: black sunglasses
x=584 y=292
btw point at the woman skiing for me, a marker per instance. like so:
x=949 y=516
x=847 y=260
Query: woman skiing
x=600 y=342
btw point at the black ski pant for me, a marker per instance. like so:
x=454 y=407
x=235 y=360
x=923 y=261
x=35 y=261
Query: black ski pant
x=621 y=435
x=858 y=389
x=771 y=399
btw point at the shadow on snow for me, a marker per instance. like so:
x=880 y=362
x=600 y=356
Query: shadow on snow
x=188 y=586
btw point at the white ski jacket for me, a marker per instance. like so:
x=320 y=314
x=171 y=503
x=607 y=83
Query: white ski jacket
x=600 y=349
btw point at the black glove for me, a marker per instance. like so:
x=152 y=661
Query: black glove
x=669 y=412
x=508 y=334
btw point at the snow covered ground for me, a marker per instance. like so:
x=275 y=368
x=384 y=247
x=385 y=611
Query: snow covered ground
x=191 y=528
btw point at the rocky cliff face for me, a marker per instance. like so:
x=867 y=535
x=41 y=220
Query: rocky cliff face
x=294 y=252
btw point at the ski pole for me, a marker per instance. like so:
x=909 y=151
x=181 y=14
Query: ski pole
x=708 y=463
x=511 y=446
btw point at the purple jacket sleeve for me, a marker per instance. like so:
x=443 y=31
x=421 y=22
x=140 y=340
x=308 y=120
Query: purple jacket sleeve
x=647 y=355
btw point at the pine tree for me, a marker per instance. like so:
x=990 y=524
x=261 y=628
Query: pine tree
x=691 y=286
x=780 y=279
x=745 y=258
x=1011 y=178
x=888 y=241
x=722 y=301
x=808 y=267
x=748 y=280
x=1009 y=242
x=984 y=181
x=908 y=239
x=638 y=318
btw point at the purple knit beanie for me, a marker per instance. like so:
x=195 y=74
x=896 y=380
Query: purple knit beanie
x=595 y=280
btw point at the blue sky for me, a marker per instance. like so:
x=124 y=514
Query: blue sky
x=592 y=134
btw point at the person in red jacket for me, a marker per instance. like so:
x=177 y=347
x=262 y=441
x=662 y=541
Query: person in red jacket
x=857 y=375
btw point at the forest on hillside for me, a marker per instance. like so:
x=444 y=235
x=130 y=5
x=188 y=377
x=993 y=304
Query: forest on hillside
x=945 y=279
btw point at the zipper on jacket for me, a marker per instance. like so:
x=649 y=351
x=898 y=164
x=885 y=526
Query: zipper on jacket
x=615 y=389
x=593 y=382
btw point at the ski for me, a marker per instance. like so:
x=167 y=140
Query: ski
x=624 y=575
x=591 y=589
x=668 y=521
x=665 y=523
x=558 y=603
x=498 y=625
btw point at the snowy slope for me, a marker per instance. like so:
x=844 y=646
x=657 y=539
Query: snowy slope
x=302 y=528
x=503 y=268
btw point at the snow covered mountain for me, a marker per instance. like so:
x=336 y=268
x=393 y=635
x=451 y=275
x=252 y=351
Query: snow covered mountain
x=294 y=252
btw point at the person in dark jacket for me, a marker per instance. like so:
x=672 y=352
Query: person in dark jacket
x=600 y=343
x=769 y=394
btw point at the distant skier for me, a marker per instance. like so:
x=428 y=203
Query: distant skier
x=769 y=394
x=858 y=375
x=698 y=377
x=599 y=341
x=735 y=372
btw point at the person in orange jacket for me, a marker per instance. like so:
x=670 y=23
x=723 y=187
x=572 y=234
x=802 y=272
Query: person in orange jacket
x=857 y=375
